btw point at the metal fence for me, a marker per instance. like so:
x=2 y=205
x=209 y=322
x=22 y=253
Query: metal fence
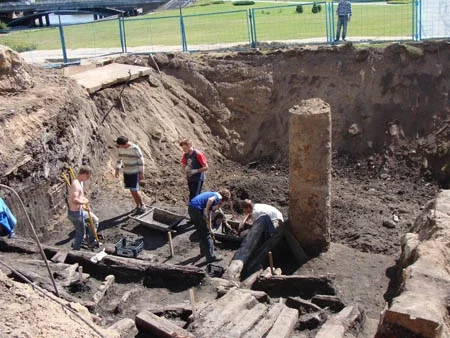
x=288 y=23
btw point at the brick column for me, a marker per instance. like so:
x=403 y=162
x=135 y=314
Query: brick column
x=310 y=174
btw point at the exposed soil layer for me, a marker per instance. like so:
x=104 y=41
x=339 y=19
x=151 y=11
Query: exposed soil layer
x=390 y=111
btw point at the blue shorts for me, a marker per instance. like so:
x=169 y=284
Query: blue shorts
x=131 y=181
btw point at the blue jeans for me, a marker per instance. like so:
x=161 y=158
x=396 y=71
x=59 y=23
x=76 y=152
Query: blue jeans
x=78 y=219
x=206 y=241
x=342 y=22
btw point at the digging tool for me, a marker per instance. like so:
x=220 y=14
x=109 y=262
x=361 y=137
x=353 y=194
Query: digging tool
x=209 y=222
x=91 y=221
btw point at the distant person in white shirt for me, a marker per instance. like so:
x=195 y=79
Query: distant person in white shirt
x=257 y=211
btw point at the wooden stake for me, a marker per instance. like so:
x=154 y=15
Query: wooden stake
x=169 y=235
x=271 y=263
x=192 y=297
x=80 y=273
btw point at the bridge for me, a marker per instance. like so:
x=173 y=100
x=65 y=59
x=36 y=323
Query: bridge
x=40 y=9
x=51 y=5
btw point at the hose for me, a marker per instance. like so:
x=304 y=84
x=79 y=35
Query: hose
x=49 y=295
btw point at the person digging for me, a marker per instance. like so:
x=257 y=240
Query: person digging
x=254 y=213
x=78 y=210
x=200 y=209
x=131 y=162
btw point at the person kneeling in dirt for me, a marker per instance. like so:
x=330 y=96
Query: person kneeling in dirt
x=78 y=211
x=254 y=212
x=200 y=209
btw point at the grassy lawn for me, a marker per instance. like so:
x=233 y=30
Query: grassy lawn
x=163 y=28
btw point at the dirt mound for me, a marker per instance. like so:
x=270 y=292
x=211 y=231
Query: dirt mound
x=14 y=75
x=28 y=313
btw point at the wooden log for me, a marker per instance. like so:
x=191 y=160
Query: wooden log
x=159 y=327
x=245 y=320
x=122 y=326
x=121 y=303
x=212 y=318
x=302 y=305
x=181 y=310
x=334 y=303
x=130 y=269
x=250 y=280
x=106 y=285
x=264 y=325
x=60 y=257
x=339 y=324
x=18 y=245
x=295 y=285
x=310 y=321
x=248 y=246
x=285 y=324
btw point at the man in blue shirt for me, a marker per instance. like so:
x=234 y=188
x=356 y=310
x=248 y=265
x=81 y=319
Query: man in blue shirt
x=344 y=12
x=200 y=209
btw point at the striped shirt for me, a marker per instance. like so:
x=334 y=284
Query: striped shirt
x=131 y=159
x=344 y=8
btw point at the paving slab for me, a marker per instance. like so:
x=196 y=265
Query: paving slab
x=103 y=77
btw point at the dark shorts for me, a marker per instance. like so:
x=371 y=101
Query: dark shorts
x=131 y=181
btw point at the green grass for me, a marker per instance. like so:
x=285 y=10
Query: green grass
x=163 y=28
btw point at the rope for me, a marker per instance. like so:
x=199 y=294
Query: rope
x=53 y=298
x=35 y=236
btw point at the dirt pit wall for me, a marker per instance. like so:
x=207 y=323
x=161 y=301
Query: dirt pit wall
x=232 y=105
x=379 y=96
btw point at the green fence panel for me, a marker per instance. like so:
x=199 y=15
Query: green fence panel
x=290 y=24
x=215 y=31
x=91 y=39
x=33 y=43
x=158 y=34
x=379 y=22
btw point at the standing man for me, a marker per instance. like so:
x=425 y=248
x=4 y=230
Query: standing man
x=132 y=163
x=194 y=165
x=344 y=13
x=254 y=212
x=78 y=209
x=200 y=209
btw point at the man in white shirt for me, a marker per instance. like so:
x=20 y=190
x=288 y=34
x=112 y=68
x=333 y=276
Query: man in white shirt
x=254 y=212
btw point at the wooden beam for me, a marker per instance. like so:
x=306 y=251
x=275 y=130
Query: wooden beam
x=338 y=325
x=285 y=324
x=295 y=285
x=159 y=327
x=106 y=285
x=130 y=269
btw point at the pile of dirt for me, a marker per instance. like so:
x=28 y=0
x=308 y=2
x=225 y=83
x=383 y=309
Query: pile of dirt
x=27 y=313
x=14 y=73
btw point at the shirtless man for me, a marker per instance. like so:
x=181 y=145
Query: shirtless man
x=78 y=209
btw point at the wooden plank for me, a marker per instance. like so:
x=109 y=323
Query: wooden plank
x=339 y=324
x=302 y=305
x=334 y=303
x=285 y=324
x=295 y=285
x=243 y=323
x=159 y=327
x=223 y=311
x=264 y=326
x=128 y=269
x=106 y=285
